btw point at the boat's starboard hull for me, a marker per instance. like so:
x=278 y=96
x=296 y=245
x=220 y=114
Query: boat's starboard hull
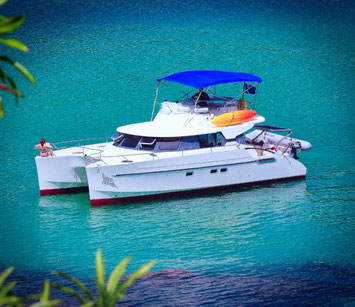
x=190 y=193
x=108 y=184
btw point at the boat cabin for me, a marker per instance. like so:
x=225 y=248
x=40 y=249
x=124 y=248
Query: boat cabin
x=187 y=124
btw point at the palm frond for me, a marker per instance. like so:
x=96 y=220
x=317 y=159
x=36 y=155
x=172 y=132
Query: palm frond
x=14 y=43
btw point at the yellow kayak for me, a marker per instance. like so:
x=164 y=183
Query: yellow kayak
x=233 y=118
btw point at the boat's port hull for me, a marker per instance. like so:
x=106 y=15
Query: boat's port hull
x=190 y=193
x=61 y=175
x=71 y=190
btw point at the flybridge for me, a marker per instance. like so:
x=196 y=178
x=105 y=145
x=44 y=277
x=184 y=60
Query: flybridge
x=204 y=80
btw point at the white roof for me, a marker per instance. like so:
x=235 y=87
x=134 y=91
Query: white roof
x=185 y=124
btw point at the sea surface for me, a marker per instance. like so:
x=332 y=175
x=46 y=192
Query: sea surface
x=95 y=64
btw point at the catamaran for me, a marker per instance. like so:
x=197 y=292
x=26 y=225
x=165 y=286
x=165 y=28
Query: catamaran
x=199 y=144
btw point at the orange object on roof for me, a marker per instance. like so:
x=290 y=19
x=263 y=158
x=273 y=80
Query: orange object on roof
x=242 y=104
x=233 y=118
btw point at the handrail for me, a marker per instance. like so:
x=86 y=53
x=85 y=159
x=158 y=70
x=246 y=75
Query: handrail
x=98 y=151
x=284 y=137
x=78 y=141
x=155 y=154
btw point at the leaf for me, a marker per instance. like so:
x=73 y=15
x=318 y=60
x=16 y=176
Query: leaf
x=14 y=88
x=44 y=300
x=46 y=304
x=2 y=17
x=117 y=274
x=25 y=72
x=8 y=25
x=30 y=297
x=46 y=292
x=70 y=291
x=5 y=88
x=9 y=301
x=21 y=68
x=2 y=2
x=1 y=109
x=100 y=271
x=136 y=275
x=2 y=75
x=5 y=274
x=13 y=43
x=5 y=290
x=114 y=279
x=77 y=282
x=5 y=296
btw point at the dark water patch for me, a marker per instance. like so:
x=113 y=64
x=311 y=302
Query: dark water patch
x=302 y=284
x=309 y=284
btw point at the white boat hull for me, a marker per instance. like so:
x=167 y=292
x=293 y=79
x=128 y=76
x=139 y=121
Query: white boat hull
x=188 y=176
x=61 y=175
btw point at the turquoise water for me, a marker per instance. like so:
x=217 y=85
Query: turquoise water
x=95 y=63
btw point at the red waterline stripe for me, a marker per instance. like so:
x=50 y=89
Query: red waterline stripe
x=198 y=192
x=64 y=191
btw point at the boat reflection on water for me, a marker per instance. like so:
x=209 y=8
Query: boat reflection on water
x=240 y=210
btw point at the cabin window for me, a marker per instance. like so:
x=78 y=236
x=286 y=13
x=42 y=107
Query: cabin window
x=223 y=170
x=189 y=143
x=130 y=141
x=189 y=173
x=169 y=143
x=213 y=171
x=219 y=139
x=240 y=139
x=117 y=138
x=207 y=140
x=147 y=142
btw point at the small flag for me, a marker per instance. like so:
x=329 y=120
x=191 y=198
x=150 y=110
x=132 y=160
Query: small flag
x=250 y=89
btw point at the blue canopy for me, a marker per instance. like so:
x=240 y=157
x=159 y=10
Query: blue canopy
x=205 y=78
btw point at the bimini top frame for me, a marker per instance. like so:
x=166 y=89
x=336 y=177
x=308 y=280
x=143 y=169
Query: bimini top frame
x=206 y=78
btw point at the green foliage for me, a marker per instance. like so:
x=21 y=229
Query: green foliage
x=13 y=43
x=7 y=26
x=108 y=294
x=7 y=298
x=19 y=67
x=44 y=300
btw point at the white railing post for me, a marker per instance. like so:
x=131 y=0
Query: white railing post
x=155 y=101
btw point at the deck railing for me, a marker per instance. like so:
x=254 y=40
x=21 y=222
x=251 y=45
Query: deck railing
x=95 y=153
x=153 y=155
x=79 y=142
